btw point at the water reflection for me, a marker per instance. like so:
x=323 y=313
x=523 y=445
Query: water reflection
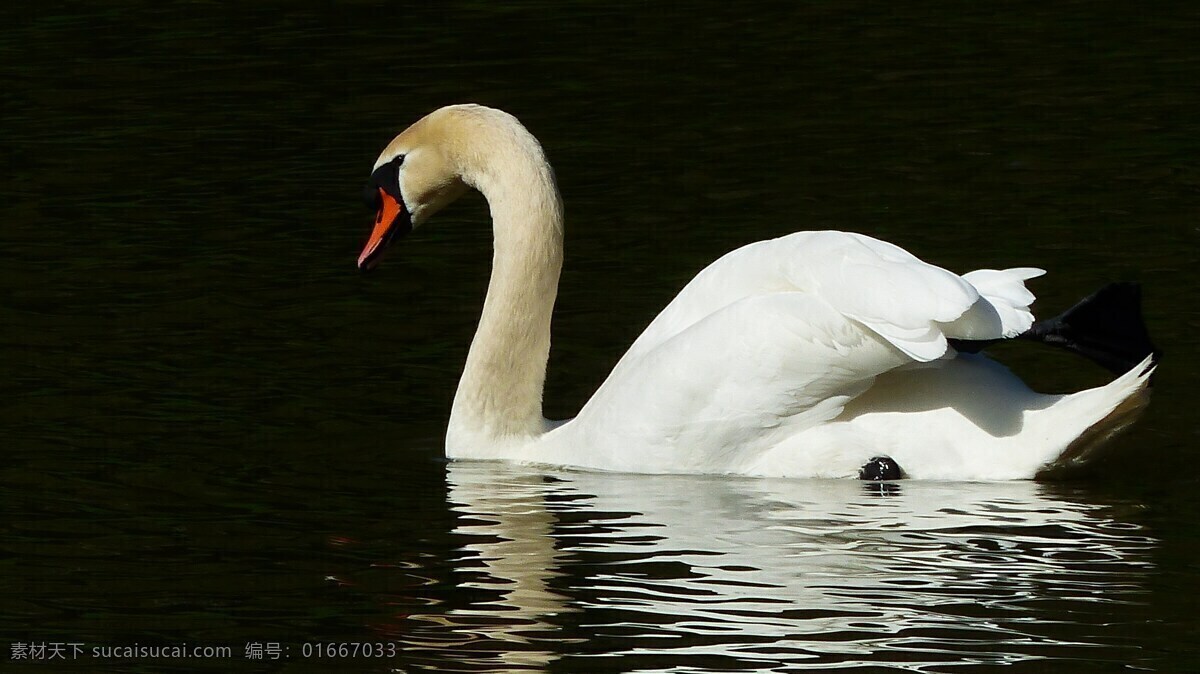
x=655 y=573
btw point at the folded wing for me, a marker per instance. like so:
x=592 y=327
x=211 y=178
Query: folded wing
x=778 y=336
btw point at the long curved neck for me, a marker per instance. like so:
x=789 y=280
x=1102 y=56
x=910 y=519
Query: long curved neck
x=500 y=394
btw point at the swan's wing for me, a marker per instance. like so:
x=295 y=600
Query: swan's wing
x=1005 y=291
x=911 y=304
x=775 y=338
x=734 y=383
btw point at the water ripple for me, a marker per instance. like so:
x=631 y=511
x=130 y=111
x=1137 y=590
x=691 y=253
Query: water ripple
x=596 y=572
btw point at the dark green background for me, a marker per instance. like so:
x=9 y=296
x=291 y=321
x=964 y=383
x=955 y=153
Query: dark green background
x=209 y=419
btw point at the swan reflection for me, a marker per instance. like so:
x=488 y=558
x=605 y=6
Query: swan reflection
x=742 y=574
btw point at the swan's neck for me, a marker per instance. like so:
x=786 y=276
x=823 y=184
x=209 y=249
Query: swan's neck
x=499 y=397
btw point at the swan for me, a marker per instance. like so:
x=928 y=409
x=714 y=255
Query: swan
x=816 y=354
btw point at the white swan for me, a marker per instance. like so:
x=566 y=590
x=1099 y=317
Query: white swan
x=802 y=356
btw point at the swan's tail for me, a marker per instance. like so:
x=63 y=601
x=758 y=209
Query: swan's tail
x=1105 y=327
x=1103 y=411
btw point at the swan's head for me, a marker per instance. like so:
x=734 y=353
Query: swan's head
x=414 y=177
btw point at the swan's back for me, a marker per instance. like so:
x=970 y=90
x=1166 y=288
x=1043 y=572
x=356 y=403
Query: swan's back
x=883 y=287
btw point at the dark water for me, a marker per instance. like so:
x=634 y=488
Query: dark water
x=215 y=432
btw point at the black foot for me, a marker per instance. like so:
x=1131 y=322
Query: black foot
x=880 y=468
x=1105 y=327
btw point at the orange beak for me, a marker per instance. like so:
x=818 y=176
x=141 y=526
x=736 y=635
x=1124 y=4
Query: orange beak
x=392 y=219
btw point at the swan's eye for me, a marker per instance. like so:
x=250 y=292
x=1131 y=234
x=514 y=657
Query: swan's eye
x=386 y=177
